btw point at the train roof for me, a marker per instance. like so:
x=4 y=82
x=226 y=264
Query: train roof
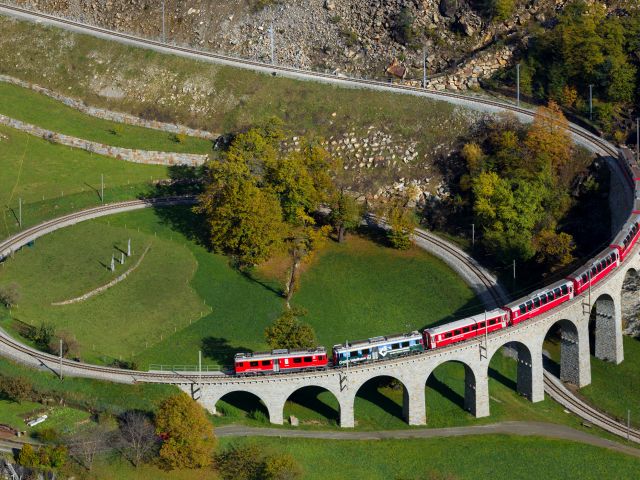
x=466 y=321
x=535 y=293
x=279 y=353
x=586 y=266
x=377 y=340
x=633 y=221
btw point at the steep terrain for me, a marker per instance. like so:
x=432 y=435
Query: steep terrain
x=360 y=37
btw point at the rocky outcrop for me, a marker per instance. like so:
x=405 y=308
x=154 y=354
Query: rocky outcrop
x=354 y=37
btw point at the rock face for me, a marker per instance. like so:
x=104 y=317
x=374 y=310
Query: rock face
x=354 y=37
x=631 y=305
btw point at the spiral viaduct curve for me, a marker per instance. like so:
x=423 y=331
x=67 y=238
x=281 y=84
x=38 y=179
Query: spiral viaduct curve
x=526 y=339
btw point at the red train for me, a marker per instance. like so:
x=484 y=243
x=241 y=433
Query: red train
x=523 y=309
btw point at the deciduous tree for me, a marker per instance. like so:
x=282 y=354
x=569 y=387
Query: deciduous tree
x=188 y=435
x=287 y=331
x=138 y=436
x=17 y=389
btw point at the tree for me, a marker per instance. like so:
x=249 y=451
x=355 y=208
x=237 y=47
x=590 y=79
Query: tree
x=474 y=157
x=555 y=250
x=240 y=462
x=243 y=219
x=346 y=214
x=304 y=240
x=402 y=222
x=43 y=334
x=188 y=435
x=10 y=295
x=289 y=332
x=70 y=346
x=27 y=457
x=548 y=140
x=16 y=389
x=138 y=436
x=281 y=467
x=86 y=445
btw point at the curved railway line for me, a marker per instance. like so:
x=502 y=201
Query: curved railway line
x=596 y=144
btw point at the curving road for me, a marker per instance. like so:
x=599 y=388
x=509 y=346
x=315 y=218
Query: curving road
x=540 y=429
x=22 y=353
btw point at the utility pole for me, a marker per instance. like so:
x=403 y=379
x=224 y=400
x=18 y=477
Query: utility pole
x=424 y=68
x=129 y=248
x=199 y=366
x=102 y=187
x=20 y=212
x=628 y=424
x=273 y=45
x=591 y=102
x=514 y=269
x=518 y=87
x=60 y=352
x=164 y=36
x=473 y=235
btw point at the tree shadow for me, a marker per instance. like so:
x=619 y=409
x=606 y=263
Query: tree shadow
x=445 y=390
x=218 y=349
x=370 y=392
x=308 y=397
x=248 y=274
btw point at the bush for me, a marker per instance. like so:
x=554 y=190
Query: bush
x=251 y=462
x=10 y=295
x=16 y=389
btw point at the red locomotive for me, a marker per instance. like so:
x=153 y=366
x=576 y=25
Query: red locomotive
x=280 y=361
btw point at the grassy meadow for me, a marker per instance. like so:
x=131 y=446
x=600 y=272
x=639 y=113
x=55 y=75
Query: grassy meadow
x=35 y=108
x=53 y=179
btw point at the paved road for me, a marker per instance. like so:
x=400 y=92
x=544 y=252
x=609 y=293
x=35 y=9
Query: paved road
x=541 y=429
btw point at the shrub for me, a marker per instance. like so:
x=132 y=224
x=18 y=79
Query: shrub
x=16 y=389
x=10 y=295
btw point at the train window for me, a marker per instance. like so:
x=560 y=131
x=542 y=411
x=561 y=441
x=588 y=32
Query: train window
x=585 y=277
x=543 y=298
x=395 y=346
x=240 y=364
x=253 y=364
x=481 y=325
x=456 y=332
x=297 y=360
x=536 y=302
x=608 y=260
x=308 y=359
x=529 y=305
x=565 y=290
x=593 y=271
x=523 y=309
x=448 y=335
x=492 y=322
x=550 y=296
x=365 y=351
x=266 y=363
x=556 y=291
x=465 y=330
x=405 y=344
x=474 y=326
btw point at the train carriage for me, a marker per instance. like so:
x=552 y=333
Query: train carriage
x=540 y=301
x=466 y=328
x=594 y=271
x=628 y=237
x=280 y=361
x=377 y=348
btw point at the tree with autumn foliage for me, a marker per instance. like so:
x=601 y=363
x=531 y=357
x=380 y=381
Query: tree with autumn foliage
x=188 y=438
x=548 y=139
x=287 y=331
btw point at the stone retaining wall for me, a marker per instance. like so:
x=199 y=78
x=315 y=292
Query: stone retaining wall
x=148 y=157
x=105 y=287
x=110 y=115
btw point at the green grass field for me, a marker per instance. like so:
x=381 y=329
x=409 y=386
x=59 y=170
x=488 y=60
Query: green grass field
x=92 y=395
x=62 y=419
x=31 y=107
x=493 y=456
x=179 y=280
x=52 y=179
x=616 y=388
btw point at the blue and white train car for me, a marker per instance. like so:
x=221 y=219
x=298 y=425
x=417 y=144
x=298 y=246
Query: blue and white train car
x=377 y=348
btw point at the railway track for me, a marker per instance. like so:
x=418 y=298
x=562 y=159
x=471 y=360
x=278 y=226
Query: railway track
x=594 y=143
x=567 y=399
